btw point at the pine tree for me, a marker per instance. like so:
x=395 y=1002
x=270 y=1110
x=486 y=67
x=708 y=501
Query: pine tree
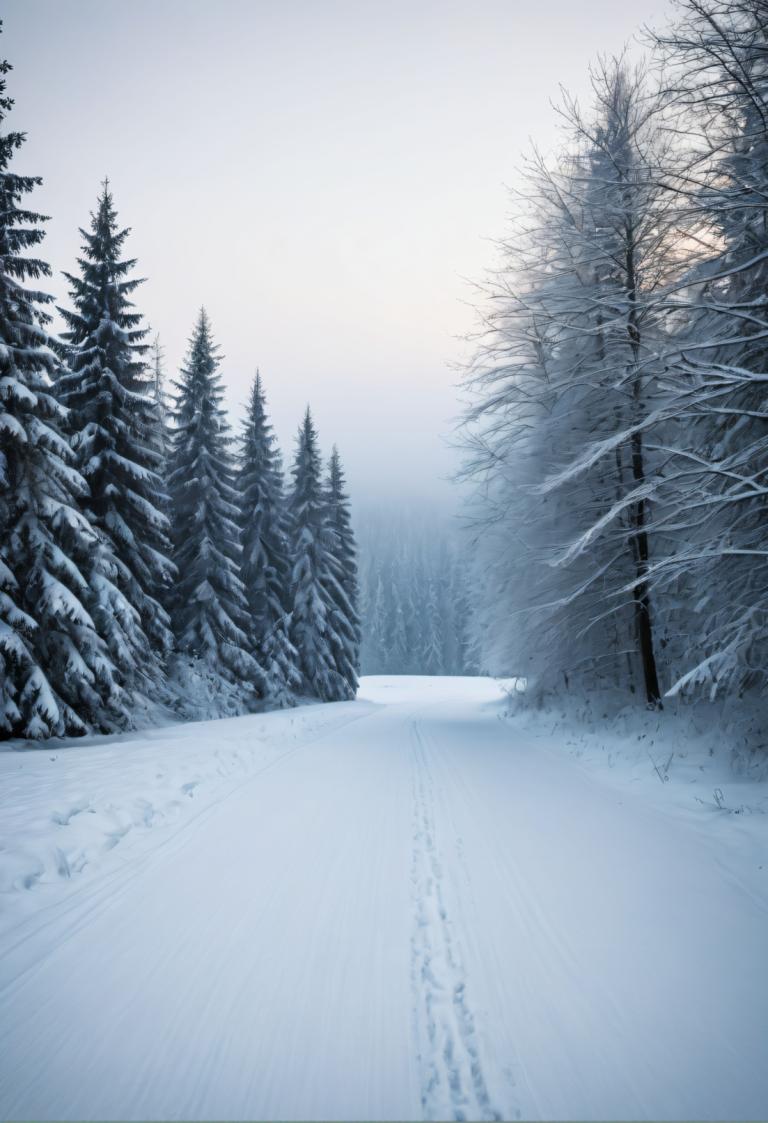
x=209 y=607
x=311 y=619
x=416 y=608
x=411 y=607
x=466 y=654
x=265 y=567
x=432 y=652
x=374 y=656
x=397 y=639
x=162 y=401
x=55 y=676
x=342 y=585
x=115 y=435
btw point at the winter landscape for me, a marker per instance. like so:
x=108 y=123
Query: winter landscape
x=384 y=610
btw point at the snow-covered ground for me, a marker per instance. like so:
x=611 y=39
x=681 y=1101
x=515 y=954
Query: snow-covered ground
x=419 y=904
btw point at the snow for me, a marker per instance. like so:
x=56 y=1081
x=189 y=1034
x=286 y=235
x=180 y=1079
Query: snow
x=421 y=904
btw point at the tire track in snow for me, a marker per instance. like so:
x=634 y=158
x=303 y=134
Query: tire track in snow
x=453 y=1085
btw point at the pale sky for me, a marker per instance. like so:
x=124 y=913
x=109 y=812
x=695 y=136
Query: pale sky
x=324 y=176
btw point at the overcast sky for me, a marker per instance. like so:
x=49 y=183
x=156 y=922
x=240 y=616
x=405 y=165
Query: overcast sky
x=323 y=175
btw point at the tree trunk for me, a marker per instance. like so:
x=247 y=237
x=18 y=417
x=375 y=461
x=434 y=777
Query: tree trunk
x=641 y=592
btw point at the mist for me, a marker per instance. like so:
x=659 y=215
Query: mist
x=325 y=179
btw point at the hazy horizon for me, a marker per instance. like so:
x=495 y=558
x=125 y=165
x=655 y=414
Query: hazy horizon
x=326 y=180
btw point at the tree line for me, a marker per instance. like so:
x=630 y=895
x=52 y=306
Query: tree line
x=144 y=550
x=415 y=598
x=616 y=422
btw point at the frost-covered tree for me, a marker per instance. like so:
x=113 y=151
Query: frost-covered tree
x=400 y=556
x=410 y=573
x=265 y=566
x=162 y=401
x=716 y=478
x=114 y=425
x=312 y=619
x=567 y=378
x=55 y=675
x=463 y=646
x=374 y=631
x=397 y=642
x=342 y=583
x=432 y=650
x=209 y=607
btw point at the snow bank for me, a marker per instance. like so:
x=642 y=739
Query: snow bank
x=706 y=762
x=69 y=808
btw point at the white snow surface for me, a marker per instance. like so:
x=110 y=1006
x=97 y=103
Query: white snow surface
x=415 y=905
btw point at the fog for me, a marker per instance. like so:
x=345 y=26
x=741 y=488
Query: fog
x=324 y=177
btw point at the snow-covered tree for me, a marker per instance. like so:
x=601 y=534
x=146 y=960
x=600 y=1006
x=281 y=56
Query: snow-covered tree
x=463 y=647
x=209 y=607
x=162 y=400
x=716 y=489
x=432 y=650
x=401 y=555
x=342 y=583
x=265 y=566
x=312 y=619
x=114 y=424
x=397 y=644
x=374 y=630
x=567 y=378
x=55 y=674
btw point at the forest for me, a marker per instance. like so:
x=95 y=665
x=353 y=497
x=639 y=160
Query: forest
x=422 y=774
x=615 y=427
x=148 y=557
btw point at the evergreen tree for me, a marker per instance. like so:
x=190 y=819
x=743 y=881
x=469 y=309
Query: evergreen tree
x=312 y=620
x=342 y=585
x=162 y=401
x=209 y=608
x=55 y=676
x=464 y=647
x=397 y=640
x=410 y=607
x=265 y=568
x=374 y=634
x=432 y=653
x=115 y=435
x=415 y=599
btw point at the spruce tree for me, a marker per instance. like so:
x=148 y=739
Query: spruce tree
x=465 y=652
x=375 y=627
x=397 y=640
x=342 y=584
x=162 y=402
x=55 y=676
x=265 y=567
x=115 y=435
x=432 y=652
x=311 y=619
x=209 y=607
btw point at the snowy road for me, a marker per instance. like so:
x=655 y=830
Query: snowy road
x=405 y=910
